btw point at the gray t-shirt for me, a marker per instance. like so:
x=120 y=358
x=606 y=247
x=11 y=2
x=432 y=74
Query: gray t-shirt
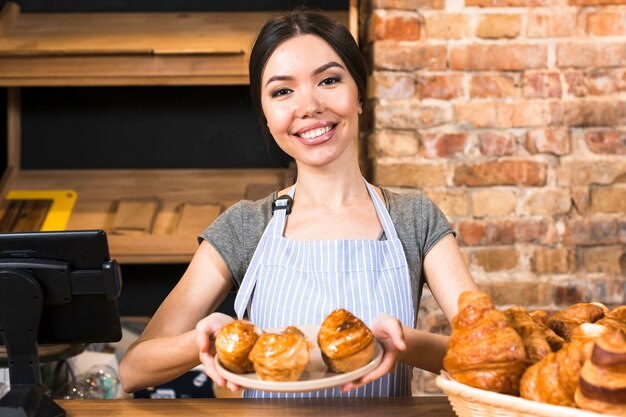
x=419 y=223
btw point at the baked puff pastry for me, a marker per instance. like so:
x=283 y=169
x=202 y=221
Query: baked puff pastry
x=563 y=322
x=233 y=344
x=615 y=319
x=602 y=385
x=345 y=341
x=533 y=333
x=280 y=356
x=484 y=351
x=554 y=379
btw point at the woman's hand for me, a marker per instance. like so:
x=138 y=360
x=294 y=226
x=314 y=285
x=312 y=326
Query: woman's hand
x=206 y=331
x=388 y=331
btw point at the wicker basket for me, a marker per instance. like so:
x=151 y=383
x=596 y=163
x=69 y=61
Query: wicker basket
x=473 y=402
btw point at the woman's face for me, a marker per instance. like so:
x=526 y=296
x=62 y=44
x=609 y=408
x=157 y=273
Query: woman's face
x=310 y=101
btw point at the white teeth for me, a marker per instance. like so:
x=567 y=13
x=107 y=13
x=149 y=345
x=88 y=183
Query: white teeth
x=315 y=132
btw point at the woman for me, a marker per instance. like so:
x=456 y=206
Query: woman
x=336 y=242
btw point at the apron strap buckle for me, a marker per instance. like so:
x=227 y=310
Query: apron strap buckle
x=287 y=206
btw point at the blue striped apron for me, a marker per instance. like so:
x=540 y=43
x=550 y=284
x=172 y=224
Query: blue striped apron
x=291 y=282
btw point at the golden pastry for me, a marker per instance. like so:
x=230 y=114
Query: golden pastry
x=532 y=333
x=484 y=351
x=280 y=356
x=554 y=379
x=603 y=377
x=566 y=320
x=233 y=344
x=345 y=341
x=615 y=319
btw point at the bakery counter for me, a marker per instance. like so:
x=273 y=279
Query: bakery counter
x=436 y=406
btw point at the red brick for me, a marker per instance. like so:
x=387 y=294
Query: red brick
x=493 y=86
x=394 y=143
x=447 y=26
x=577 y=172
x=591 y=231
x=451 y=201
x=408 y=4
x=512 y=3
x=576 y=83
x=394 y=25
x=522 y=293
x=608 y=199
x=410 y=175
x=486 y=233
x=541 y=85
x=490 y=202
x=553 y=261
x=443 y=87
x=604 y=259
x=606 y=82
x=497 y=259
x=508 y=172
x=588 y=112
x=580 y=199
x=555 y=140
x=410 y=115
x=497 y=143
x=444 y=145
x=550 y=24
x=548 y=201
x=395 y=55
x=595 y=2
x=391 y=85
x=535 y=231
x=608 y=289
x=566 y=294
x=495 y=26
x=606 y=23
x=606 y=141
x=509 y=57
x=601 y=54
x=505 y=115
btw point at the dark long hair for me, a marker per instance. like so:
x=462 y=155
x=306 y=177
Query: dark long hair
x=303 y=22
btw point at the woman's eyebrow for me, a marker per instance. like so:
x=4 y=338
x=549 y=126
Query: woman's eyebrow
x=317 y=71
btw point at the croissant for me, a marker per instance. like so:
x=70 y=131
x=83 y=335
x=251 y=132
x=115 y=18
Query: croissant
x=615 y=319
x=554 y=378
x=280 y=356
x=233 y=344
x=588 y=332
x=345 y=341
x=566 y=320
x=603 y=377
x=532 y=333
x=484 y=351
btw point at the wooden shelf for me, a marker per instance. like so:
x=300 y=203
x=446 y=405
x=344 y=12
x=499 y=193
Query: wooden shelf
x=132 y=49
x=199 y=48
x=99 y=191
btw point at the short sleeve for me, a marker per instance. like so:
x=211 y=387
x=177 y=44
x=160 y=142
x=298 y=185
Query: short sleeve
x=434 y=224
x=225 y=234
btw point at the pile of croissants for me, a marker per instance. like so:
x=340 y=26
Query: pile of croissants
x=574 y=357
x=345 y=342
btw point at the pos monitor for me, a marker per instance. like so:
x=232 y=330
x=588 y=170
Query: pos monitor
x=55 y=287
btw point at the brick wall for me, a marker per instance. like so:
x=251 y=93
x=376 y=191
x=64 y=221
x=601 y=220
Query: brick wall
x=511 y=116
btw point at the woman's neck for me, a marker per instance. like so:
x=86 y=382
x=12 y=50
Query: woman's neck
x=338 y=187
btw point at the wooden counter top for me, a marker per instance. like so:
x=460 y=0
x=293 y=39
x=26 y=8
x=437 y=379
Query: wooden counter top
x=237 y=407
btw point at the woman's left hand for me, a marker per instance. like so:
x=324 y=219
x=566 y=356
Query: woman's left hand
x=388 y=331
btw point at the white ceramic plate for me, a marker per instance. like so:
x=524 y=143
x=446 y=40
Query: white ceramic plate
x=315 y=376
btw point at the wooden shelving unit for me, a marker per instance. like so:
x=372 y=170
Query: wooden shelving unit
x=131 y=49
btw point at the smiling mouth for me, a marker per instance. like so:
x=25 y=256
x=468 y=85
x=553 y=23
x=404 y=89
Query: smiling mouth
x=314 y=133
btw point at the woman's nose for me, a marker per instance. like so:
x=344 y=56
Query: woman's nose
x=309 y=104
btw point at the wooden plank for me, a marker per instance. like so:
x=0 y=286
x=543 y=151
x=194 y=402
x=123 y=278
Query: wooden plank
x=256 y=191
x=135 y=216
x=8 y=15
x=14 y=128
x=194 y=218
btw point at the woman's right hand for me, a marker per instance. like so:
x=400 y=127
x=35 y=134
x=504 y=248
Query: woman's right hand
x=206 y=331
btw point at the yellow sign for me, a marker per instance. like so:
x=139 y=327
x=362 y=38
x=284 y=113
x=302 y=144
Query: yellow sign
x=58 y=214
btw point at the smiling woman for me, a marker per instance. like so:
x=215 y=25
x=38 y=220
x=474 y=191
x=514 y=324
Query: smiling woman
x=330 y=241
